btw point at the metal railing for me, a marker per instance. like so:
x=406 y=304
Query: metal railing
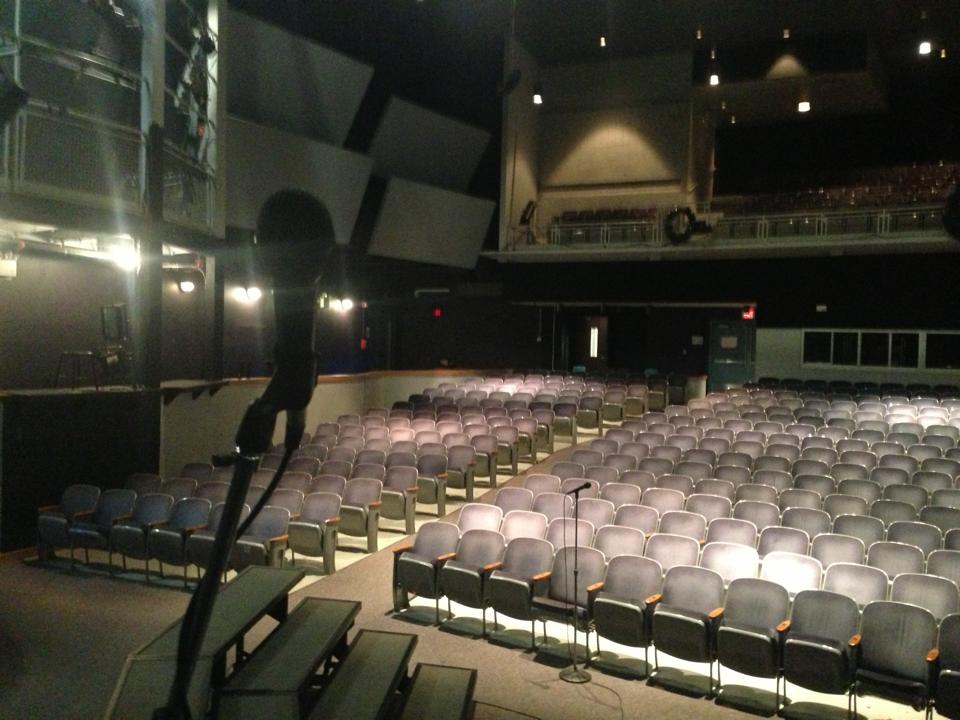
x=760 y=229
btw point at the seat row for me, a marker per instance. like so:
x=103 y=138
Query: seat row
x=779 y=625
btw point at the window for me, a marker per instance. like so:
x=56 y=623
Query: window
x=879 y=349
x=816 y=347
x=943 y=350
x=904 y=350
x=845 y=348
x=874 y=348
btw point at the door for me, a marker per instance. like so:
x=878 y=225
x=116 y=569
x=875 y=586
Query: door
x=732 y=350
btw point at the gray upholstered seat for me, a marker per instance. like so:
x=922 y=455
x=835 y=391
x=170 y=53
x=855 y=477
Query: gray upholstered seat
x=730 y=560
x=479 y=516
x=830 y=548
x=399 y=495
x=686 y=615
x=565 y=531
x=947 y=696
x=463 y=578
x=199 y=545
x=166 y=543
x=143 y=483
x=761 y=514
x=895 y=558
x=752 y=627
x=937 y=594
x=816 y=652
x=265 y=541
x=416 y=567
x=892 y=655
x=672 y=550
x=360 y=510
x=314 y=533
x=53 y=521
x=513 y=498
x=553 y=504
x=129 y=537
x=523 y=523
x=619 y=609
x=568 y=596
x=640 y=517
x=614 y=540
x=925 y=536
x=793 y=571
x=525 y=570
x=92 y=530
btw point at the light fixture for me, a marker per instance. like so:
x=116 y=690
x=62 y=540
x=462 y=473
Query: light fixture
x=714 y=79
x=125 y=257
x=786 y=33
x=723 y=104
x=803 y=106
x=346 y=305
x=253 y=293
x=336 y=305
x=925 y=47
x=537 y=97
x=733 y=119
x=943 y=53
x=187 y=286
x=699 y=33
x=594 y=341
x=603 y=41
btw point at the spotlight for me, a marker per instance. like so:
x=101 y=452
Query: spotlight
x=125 y=257
x=253 y=293
x=803 y=106
x=714 y=79
x=925 y=48
x=346 y=305
x=336 y=305
x=537 y=97
x=187 y=286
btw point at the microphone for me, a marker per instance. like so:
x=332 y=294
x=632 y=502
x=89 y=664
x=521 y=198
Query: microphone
x=578 y=488
x=294 y=238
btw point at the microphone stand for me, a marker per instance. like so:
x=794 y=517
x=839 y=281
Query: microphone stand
x=574 y=674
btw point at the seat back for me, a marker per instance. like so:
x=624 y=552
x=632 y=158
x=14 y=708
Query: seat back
x=318 y=507
x=936 y=594
x=730 y=560
x=479 y=516
x=672 y=550
x=567 y=587
x=614 y=540
x=896 y=638
x=793 y=571
x=360 y=492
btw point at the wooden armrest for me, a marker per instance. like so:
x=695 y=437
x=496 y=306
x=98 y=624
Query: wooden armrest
x=279 y=538
x=933 y=655
x=854 y=640
x=715 y=613
x=596 y=587
x=413 y=489
x=541 y=576
x=82 y=514
x=47 y=508
x=490 y=567
x=194 y=528
x=122 y=518
x=441 y=476
x=374 y=504
x=446 y=556
x=402 y=549
x=784 y=626
x=335 y=520
x=655 y=598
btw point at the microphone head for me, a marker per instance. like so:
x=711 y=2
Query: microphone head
x=294 y=238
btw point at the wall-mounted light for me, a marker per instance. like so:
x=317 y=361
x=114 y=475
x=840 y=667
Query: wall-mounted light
x=248 y=295
x=594 y=341
x=603 y=41
x=537 y=97
x=699 y=33
x=803 y=106
x=925 y=47
x=187 y=286
x=714 y=79
x=786 y=33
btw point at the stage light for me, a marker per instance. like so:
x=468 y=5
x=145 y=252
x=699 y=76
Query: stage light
x=125 y=257
x=346 y=305
x=187 y=286
x=714 y=79
x=537 y=97
x=803 y=106
x=925 y=48
x=336 y=305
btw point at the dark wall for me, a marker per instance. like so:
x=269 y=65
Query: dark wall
x=54 y=305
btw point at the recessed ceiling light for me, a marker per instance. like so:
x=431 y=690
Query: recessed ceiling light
x=803 y=106
x=714 y=79
x=925 y=48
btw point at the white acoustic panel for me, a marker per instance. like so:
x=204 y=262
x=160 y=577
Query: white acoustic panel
x=279 y=79
x=417 y=144
x=431 y=225
x=263 y=160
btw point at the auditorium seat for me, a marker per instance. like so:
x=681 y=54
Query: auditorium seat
x=620 y=609
x=166 y=543
x=416 y=567
x=463 y=577
x=314 y=533
x=524 y=572
x=53 y=521
x=360 y=509
x=128 y=536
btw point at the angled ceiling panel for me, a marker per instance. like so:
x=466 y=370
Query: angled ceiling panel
x=285 y=81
